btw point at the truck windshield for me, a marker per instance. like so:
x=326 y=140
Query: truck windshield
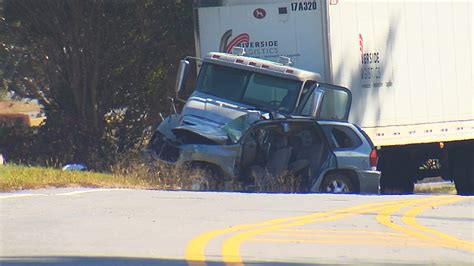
x=248 y=87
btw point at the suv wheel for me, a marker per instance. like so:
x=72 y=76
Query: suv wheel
x=337 y=183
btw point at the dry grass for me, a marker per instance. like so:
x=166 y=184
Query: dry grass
x=285 y=183
x=130 y=174
x=15 y=177
x=159 y=176
x=135 y=174
x=14 y=107
x=435 y=188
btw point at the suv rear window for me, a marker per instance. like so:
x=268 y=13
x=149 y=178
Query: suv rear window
x=342 y=137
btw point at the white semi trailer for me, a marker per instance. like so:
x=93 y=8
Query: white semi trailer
x=407 y=63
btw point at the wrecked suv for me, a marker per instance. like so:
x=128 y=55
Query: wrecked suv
x=253 y=122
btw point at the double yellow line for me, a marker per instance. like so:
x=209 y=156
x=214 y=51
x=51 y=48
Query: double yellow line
x=231 y=247
x=413 y=228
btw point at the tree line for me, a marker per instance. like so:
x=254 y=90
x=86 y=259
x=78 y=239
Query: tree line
x=101 y=69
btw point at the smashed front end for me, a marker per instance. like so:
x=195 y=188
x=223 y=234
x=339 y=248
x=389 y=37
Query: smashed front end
x=259 y=154
x=178 y=142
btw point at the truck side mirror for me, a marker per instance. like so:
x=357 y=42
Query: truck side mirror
x=316 y=101
x=182 y=71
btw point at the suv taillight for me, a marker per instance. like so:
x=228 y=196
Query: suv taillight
x=373 y=158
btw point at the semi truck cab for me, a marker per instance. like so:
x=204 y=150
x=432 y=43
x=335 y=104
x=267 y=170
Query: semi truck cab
x=229 y=85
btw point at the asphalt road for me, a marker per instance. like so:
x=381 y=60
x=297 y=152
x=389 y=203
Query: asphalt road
x=139 y=227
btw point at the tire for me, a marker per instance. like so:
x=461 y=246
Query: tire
x=464 y=186
x=464 y=180
x=462 y=168
x=337 y=183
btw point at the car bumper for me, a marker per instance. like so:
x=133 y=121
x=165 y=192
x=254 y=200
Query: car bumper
x=369 y=181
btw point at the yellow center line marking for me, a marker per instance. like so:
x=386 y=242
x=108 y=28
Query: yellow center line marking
x=328 y=231
x=385 y=217
x=195 y=249
x=392 y=242
x=354 y=235
x=231 y=247
x=409 y=218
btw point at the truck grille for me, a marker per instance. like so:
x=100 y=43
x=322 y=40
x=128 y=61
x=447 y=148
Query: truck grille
x=163 y=149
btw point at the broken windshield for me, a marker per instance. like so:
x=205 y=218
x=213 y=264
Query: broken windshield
x=237 y=127
x=248 y=87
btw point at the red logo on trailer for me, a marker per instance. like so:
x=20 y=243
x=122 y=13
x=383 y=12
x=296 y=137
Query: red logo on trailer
x=256 y=48
x=259 y=13
x=239 y=39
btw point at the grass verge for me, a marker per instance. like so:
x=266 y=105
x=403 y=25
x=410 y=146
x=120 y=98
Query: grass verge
x=13 y=107
x=139 y=176
x=435 y=188
x=17 y=177
x=14 y=177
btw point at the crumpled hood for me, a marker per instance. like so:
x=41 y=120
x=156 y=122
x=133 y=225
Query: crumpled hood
x=212 y=133
x=209 y=118
x=201 y=109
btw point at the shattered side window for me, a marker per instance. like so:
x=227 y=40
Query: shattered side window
x=306 y=111
x=334 y=106
x=237 y=127
x=344 y=137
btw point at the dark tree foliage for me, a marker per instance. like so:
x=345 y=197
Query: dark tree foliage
x=101 y=69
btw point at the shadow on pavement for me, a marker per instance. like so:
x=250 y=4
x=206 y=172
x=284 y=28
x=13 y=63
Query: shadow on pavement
x=115 y=261
x=119 y=261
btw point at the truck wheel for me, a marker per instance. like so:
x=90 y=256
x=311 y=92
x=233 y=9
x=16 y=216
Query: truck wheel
x=462 y=169
x=464 y=180
x=337 y=183
x=463 y=185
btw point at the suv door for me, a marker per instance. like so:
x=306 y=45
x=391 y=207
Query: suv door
x=272 y=148
x=334 y=105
